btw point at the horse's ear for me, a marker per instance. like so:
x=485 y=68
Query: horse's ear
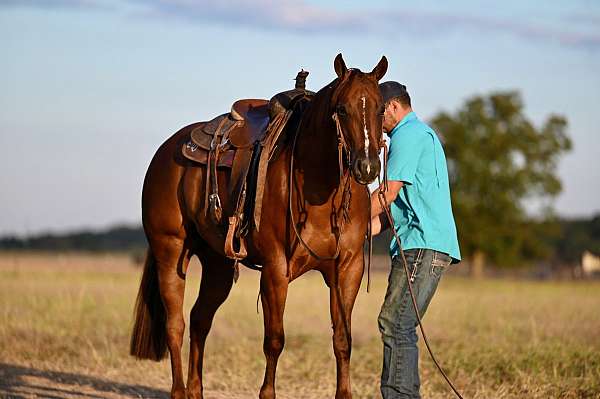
x=340 y=66
x=380 y=69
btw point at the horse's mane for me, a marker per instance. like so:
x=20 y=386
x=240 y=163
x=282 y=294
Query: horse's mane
x=321 y=101
x=306 y=106
x=315 y=108
x=309 y=107
x=325 y=93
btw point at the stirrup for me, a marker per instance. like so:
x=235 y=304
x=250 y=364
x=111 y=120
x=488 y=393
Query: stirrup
x=230 y=252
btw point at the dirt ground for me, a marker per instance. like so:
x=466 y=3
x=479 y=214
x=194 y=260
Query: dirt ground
x=26 y=382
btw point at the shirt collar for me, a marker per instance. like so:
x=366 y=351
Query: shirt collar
x=411 y=116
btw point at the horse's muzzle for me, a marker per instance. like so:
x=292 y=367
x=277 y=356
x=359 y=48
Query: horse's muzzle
x=365 y=170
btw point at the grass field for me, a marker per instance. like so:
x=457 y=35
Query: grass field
x=65 y=321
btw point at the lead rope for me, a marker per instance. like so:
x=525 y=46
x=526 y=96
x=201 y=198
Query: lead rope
x=370 y=241
x=381 y=195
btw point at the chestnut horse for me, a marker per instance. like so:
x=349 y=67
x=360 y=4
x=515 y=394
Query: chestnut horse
x=315 y=217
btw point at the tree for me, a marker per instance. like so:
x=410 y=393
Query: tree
x=497 y=159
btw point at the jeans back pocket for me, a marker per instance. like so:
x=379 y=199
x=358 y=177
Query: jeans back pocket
x=439 y=262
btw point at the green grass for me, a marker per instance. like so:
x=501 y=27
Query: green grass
x=495 y=338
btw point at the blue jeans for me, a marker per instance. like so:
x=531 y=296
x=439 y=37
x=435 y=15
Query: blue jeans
x=397 y=319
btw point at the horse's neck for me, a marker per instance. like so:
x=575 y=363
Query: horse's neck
x=316 y=147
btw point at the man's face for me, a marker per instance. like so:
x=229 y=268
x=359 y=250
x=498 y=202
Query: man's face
x=390 y=119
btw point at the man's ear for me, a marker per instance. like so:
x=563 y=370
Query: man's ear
x=399 y=107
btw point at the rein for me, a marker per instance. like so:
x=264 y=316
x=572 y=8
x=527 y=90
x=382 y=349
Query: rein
x=345 y=206
x=383 y=188
x=342 y=147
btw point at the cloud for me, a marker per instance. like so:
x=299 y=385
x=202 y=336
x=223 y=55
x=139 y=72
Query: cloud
x=50 y=4
x=590 y=19
x=301 y=17
x=284 y=15
x=522 y=30
x=298 y=16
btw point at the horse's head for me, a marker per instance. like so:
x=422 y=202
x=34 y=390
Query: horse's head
x=357 y=106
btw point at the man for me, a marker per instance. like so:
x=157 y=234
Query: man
x=419 y=199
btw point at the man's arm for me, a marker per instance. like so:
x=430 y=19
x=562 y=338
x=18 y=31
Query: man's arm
x=379 y=220
x=390 y=195
x=379 y=223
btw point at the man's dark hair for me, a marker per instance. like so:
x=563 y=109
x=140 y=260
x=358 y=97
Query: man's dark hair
x=395 y=91
x=403 y=99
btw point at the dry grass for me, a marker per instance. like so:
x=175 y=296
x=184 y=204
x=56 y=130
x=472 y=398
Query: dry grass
x=64 y=325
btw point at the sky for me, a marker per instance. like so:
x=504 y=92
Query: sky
x=90 y=88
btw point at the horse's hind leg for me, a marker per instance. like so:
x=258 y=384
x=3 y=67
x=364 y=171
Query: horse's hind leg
x=217 y=278
x=273 y=289
x=172 y=258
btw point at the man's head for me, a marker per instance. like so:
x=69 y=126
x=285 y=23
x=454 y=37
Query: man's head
x=396 y=102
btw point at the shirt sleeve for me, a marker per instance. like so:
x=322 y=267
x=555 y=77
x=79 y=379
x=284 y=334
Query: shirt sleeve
x=405 y=151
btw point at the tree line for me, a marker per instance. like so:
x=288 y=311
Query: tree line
x=563 y=240
x=115 y=239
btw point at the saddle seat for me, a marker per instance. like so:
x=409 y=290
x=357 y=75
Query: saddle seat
x=241 y=128
x=255 y=115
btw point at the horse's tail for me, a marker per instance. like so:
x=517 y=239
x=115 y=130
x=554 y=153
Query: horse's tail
x=148 y=338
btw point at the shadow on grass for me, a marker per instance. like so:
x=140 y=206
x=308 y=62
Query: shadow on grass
x=24 y=382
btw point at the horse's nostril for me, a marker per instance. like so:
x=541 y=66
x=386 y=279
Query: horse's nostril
x=365 y=170
x=364 y=166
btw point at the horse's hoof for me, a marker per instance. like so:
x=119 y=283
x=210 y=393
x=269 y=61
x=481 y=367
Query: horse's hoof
x=194 y=393
x=178 y=394
x=267 y=393
x=343 y=395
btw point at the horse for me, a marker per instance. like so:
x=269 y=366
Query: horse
x=315 y=216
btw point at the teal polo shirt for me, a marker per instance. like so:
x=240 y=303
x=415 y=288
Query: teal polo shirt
x=422 y=211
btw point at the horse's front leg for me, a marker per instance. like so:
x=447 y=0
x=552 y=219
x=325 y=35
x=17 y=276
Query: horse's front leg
x=343 y=288
x=273 y=290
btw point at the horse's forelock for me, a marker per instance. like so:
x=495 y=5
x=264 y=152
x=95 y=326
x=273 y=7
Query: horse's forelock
x=355 y=76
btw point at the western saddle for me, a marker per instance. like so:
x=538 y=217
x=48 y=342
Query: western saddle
x=243 y=141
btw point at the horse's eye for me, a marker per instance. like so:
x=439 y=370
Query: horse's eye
x=381 y=110
x=341 y=110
